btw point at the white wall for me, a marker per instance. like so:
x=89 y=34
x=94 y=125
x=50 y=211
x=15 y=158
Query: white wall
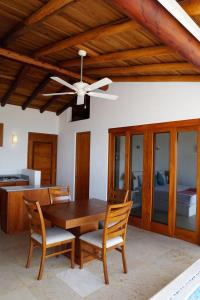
x=13 y=158
x=138 y=103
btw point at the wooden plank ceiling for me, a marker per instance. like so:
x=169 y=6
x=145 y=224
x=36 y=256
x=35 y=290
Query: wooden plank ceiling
x=47 y=35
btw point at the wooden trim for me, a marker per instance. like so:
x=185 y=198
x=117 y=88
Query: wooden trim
x=198 y=190
x=154 y=17
x=172 y=182
x=111 y=151
x=186 y=235
x=156 y=126
x=1 y=134
x=43 y=137
x=127 y=162
x=159 y=228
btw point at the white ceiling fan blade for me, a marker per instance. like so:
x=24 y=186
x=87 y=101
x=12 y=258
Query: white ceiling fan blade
x=63 y=82
x=102 y=95
x=80 y=100
x=57 y=94
x=99 y=84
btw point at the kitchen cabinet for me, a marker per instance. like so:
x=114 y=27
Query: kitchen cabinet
x=13 y=211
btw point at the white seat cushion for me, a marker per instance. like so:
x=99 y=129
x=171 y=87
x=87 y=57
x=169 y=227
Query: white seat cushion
x=63 y=198
x=95 y=238
x=54 y=235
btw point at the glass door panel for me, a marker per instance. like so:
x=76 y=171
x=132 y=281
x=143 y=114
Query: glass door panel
x=119 y=169
x=186 y=180
x=136 y=176
x=160 y=195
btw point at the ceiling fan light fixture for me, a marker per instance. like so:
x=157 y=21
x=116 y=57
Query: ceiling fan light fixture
x=82 y=88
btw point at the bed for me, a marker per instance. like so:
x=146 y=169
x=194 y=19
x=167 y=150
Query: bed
x=185 y=195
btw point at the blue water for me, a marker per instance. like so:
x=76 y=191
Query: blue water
x=195 y=295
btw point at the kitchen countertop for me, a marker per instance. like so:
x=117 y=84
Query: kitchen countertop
x=25 y=188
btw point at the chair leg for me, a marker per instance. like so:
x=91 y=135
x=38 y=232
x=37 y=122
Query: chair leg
x=30 y=254
x=105 y=270
x=124 y=260
x=81 y=255
x=72 y=253
x=42 y=264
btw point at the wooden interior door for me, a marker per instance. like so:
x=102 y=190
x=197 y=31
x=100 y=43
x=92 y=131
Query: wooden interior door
x=42 y=156
x=82 y=165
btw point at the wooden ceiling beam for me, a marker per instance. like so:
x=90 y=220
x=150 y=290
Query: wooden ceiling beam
x=157 y=78
x=36 y=91
x=40 y=64
x=167 y=67
x=192 y=7
x=50 y=8
x=154 y=17
x=14 y=85
x=67 y=105
x=121 y=55
x=92 y=34
x=52 y=100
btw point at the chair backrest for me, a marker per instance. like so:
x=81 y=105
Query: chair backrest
x=116 y=221
x=59 y=195
x=36 y=219
x=119 y=196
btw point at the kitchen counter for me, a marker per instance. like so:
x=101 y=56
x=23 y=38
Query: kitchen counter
x=13 y=212
x=25 y=188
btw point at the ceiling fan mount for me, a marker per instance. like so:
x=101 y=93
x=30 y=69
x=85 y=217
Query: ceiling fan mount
x=82 y=88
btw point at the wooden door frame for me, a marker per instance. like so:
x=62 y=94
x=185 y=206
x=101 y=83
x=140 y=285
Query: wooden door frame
x=148 y=130
x=78 y=134
x=43 y=138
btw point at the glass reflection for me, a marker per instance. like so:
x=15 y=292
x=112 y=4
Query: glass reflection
x=186 y=180
x=119 y=175
x=161 y=178
x=137 y=143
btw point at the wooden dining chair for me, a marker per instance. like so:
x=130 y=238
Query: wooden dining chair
x=59 y=195
x=111 y=237
x=116 y=197
x=46 y=238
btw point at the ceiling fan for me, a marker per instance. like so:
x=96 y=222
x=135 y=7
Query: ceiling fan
x=82 y=88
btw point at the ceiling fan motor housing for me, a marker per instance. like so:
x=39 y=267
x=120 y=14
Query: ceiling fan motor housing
x=82 y=53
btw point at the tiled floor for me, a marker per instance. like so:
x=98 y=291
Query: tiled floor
x=153 y=261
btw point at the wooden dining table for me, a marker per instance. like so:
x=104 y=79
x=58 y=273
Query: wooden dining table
x=78 y=217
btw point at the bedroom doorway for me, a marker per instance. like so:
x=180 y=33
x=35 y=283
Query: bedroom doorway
x=160 y=165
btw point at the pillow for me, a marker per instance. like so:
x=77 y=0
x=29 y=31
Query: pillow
x=155 y=180
x=139 y=180
x=160 y=179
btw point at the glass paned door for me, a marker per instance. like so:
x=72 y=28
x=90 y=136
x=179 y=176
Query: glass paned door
x=160 y=195
x=186 y=187
x=119 y=168
x=136 y=176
